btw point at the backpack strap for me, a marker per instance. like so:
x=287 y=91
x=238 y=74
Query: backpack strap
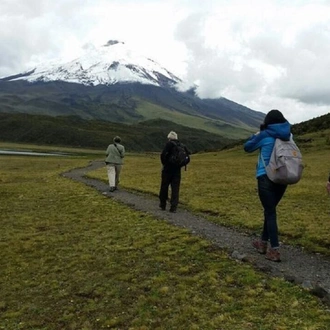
x=121 y=156
x=261 y=156
x=174 y=143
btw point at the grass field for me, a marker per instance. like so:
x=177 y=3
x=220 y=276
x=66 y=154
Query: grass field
x=222 y=186
x=71 y=258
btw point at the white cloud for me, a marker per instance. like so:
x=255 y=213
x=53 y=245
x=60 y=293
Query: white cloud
x=262 y=53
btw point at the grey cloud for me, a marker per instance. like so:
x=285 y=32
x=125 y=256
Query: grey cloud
x=307 y=75
x=189 y=32
x=23 y=9
x=301 y=65
x=215 y=71
x=35 y=8
x=269 y=48
x=37 y=29
x=24 y=40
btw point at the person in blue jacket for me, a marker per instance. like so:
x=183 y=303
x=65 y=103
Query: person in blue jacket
x=270 y=193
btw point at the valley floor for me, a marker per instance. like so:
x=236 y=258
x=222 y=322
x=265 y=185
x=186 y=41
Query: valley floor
x=312 y=271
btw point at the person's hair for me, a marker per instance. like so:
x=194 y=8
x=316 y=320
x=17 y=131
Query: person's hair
x=172 y=135
x=273 y=117
x=117 y=139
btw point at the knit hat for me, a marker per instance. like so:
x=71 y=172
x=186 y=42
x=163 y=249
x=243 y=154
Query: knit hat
x=274 y=117
x=117 y=139
x=172 y=136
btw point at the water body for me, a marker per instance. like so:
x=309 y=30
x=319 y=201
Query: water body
x=28 y=153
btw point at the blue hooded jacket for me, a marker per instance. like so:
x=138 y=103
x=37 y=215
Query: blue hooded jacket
x=265 y=140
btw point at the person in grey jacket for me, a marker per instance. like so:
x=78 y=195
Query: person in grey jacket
x=114 y=162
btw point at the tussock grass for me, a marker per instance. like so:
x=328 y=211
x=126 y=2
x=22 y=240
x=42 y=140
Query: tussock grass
x=71 y=258
x=222 y=186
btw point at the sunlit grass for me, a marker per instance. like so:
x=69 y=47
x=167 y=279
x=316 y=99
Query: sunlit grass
x=71 y=258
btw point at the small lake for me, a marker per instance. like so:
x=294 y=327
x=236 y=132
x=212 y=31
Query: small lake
x=28 y=153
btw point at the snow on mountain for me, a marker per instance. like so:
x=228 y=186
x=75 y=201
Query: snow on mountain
x=110 y=64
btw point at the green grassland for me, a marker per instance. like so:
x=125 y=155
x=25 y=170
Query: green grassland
x=222 y=186
x=72 y=131
x=70 y=258
x=151 y=111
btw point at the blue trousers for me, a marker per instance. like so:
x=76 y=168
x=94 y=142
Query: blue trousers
x=270 y=195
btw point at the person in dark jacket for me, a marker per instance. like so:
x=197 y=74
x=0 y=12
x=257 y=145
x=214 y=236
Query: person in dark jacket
x=171 y=175
x=270 y=193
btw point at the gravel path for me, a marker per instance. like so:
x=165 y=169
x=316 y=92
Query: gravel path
x=311 y=271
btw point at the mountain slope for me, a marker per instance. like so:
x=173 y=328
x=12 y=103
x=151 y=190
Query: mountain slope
x=77 y=132
x=128 y=103
x=113 y=83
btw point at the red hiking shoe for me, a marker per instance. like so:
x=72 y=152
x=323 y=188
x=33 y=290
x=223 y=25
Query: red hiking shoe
x=260 y=246
x=273 y=255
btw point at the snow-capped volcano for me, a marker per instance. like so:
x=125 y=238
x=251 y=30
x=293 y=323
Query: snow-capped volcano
x=110 y=64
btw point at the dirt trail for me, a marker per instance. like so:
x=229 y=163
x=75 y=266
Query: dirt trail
x=312 y=271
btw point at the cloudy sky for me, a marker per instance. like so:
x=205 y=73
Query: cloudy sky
x=264 y=54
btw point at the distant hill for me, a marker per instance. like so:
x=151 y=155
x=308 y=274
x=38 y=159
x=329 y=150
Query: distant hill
x=73 y=131
x=313 y=125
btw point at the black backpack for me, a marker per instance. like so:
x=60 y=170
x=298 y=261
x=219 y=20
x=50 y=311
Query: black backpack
x=179 y=155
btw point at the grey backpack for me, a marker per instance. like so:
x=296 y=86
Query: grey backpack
x=285 y=164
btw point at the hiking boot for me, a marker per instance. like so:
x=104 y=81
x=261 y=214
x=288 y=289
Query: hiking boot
x=112 y=189
x=273 y=255
x=260 y=246
x=162 y=206
x=173 y=209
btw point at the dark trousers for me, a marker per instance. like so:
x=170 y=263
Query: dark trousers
x=270 y=195
x=172 y=179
